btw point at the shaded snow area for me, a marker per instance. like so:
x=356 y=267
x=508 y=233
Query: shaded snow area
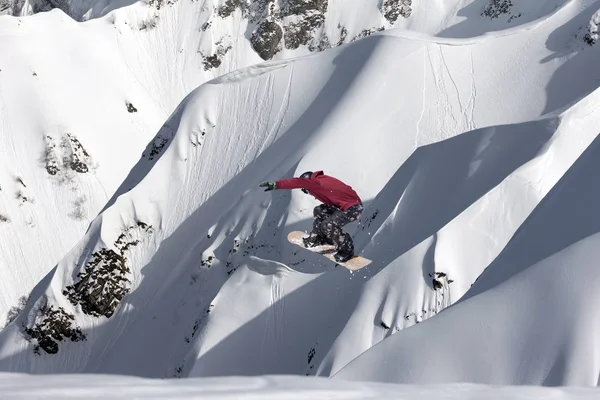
x=136 y=245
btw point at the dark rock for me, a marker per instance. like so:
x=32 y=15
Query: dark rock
x=496 y=8
x=104 y=282
x=265 y=40
x=55 y=325
x=297 y=7
x=302 y=32
x=130 y=107
x=228 y=8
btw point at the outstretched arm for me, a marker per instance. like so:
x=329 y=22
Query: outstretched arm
x=297 y=183
x=293 y=183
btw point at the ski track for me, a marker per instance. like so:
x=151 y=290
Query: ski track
x=471 y=119
x=442 y=93
x=274 y=320
x=445 y=66
x=280 y=117
x=423 y=102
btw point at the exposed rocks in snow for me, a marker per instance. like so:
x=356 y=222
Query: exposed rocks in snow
x=197 y=139
x=290 y=24
x=343 y=35
x=20 y=181
x=76 y=157
x=302 y=32
x=392 y=9
x=105 y=280
x=4 y=218
x=51 y=158
x=52 y=325
x=15 y=310
x=24 y=198
x=149 y=23
x=79 y=212
x=207 y=262
x=591 y=36
x=157 y=145
x=69 y=156
x=304 y=28
x=311 y=354
x=297 y=7
x=214 y=60
x=311 y=360
x=439 y=280
x=496 y=8
x=367 y=32
x=160 y=141
x=229 y=7
x=230 y=268
x=130 y=107
x=265 y=39
x=199 y=322
x=514 y=16
x=159 y=3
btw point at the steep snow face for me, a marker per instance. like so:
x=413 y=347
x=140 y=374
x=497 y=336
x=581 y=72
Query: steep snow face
x=531 y=318
x=71 y=121
x=80 y=101
x=187 y=271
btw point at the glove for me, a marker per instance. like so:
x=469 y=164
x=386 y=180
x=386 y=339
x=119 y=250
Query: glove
x=268 y=185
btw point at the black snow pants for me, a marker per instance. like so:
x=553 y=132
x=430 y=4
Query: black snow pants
x=328 y=223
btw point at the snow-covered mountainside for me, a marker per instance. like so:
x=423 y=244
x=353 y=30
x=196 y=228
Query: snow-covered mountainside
x=80 y=101
x=471 y=140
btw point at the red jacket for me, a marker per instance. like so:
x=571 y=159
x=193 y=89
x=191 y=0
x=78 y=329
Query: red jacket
x=325 y=188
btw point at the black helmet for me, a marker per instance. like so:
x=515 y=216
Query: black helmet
x=306 y=175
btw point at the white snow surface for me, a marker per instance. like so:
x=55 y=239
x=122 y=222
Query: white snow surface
x=22 y=386
x=473 y=143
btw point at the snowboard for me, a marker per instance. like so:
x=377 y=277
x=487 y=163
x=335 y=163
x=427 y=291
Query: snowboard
x=353 y=264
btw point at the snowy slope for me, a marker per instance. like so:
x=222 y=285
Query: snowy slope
x=20 y=386
x=67 y=139
x=78 y=103
x=96 y=93
x=530 y=318
x=187 y=271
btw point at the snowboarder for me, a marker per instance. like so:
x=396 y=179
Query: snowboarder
x=341 y=205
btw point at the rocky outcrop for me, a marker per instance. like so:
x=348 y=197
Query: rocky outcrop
x=51 y=326
x=592 y=34
x=392 y=9
x=496 y=8
x=105 y=281
x=290 y=24
x=266 y=39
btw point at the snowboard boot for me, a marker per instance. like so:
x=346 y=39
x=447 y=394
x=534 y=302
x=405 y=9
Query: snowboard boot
x=343 y=256
x=345 y=249
x=316 y=240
